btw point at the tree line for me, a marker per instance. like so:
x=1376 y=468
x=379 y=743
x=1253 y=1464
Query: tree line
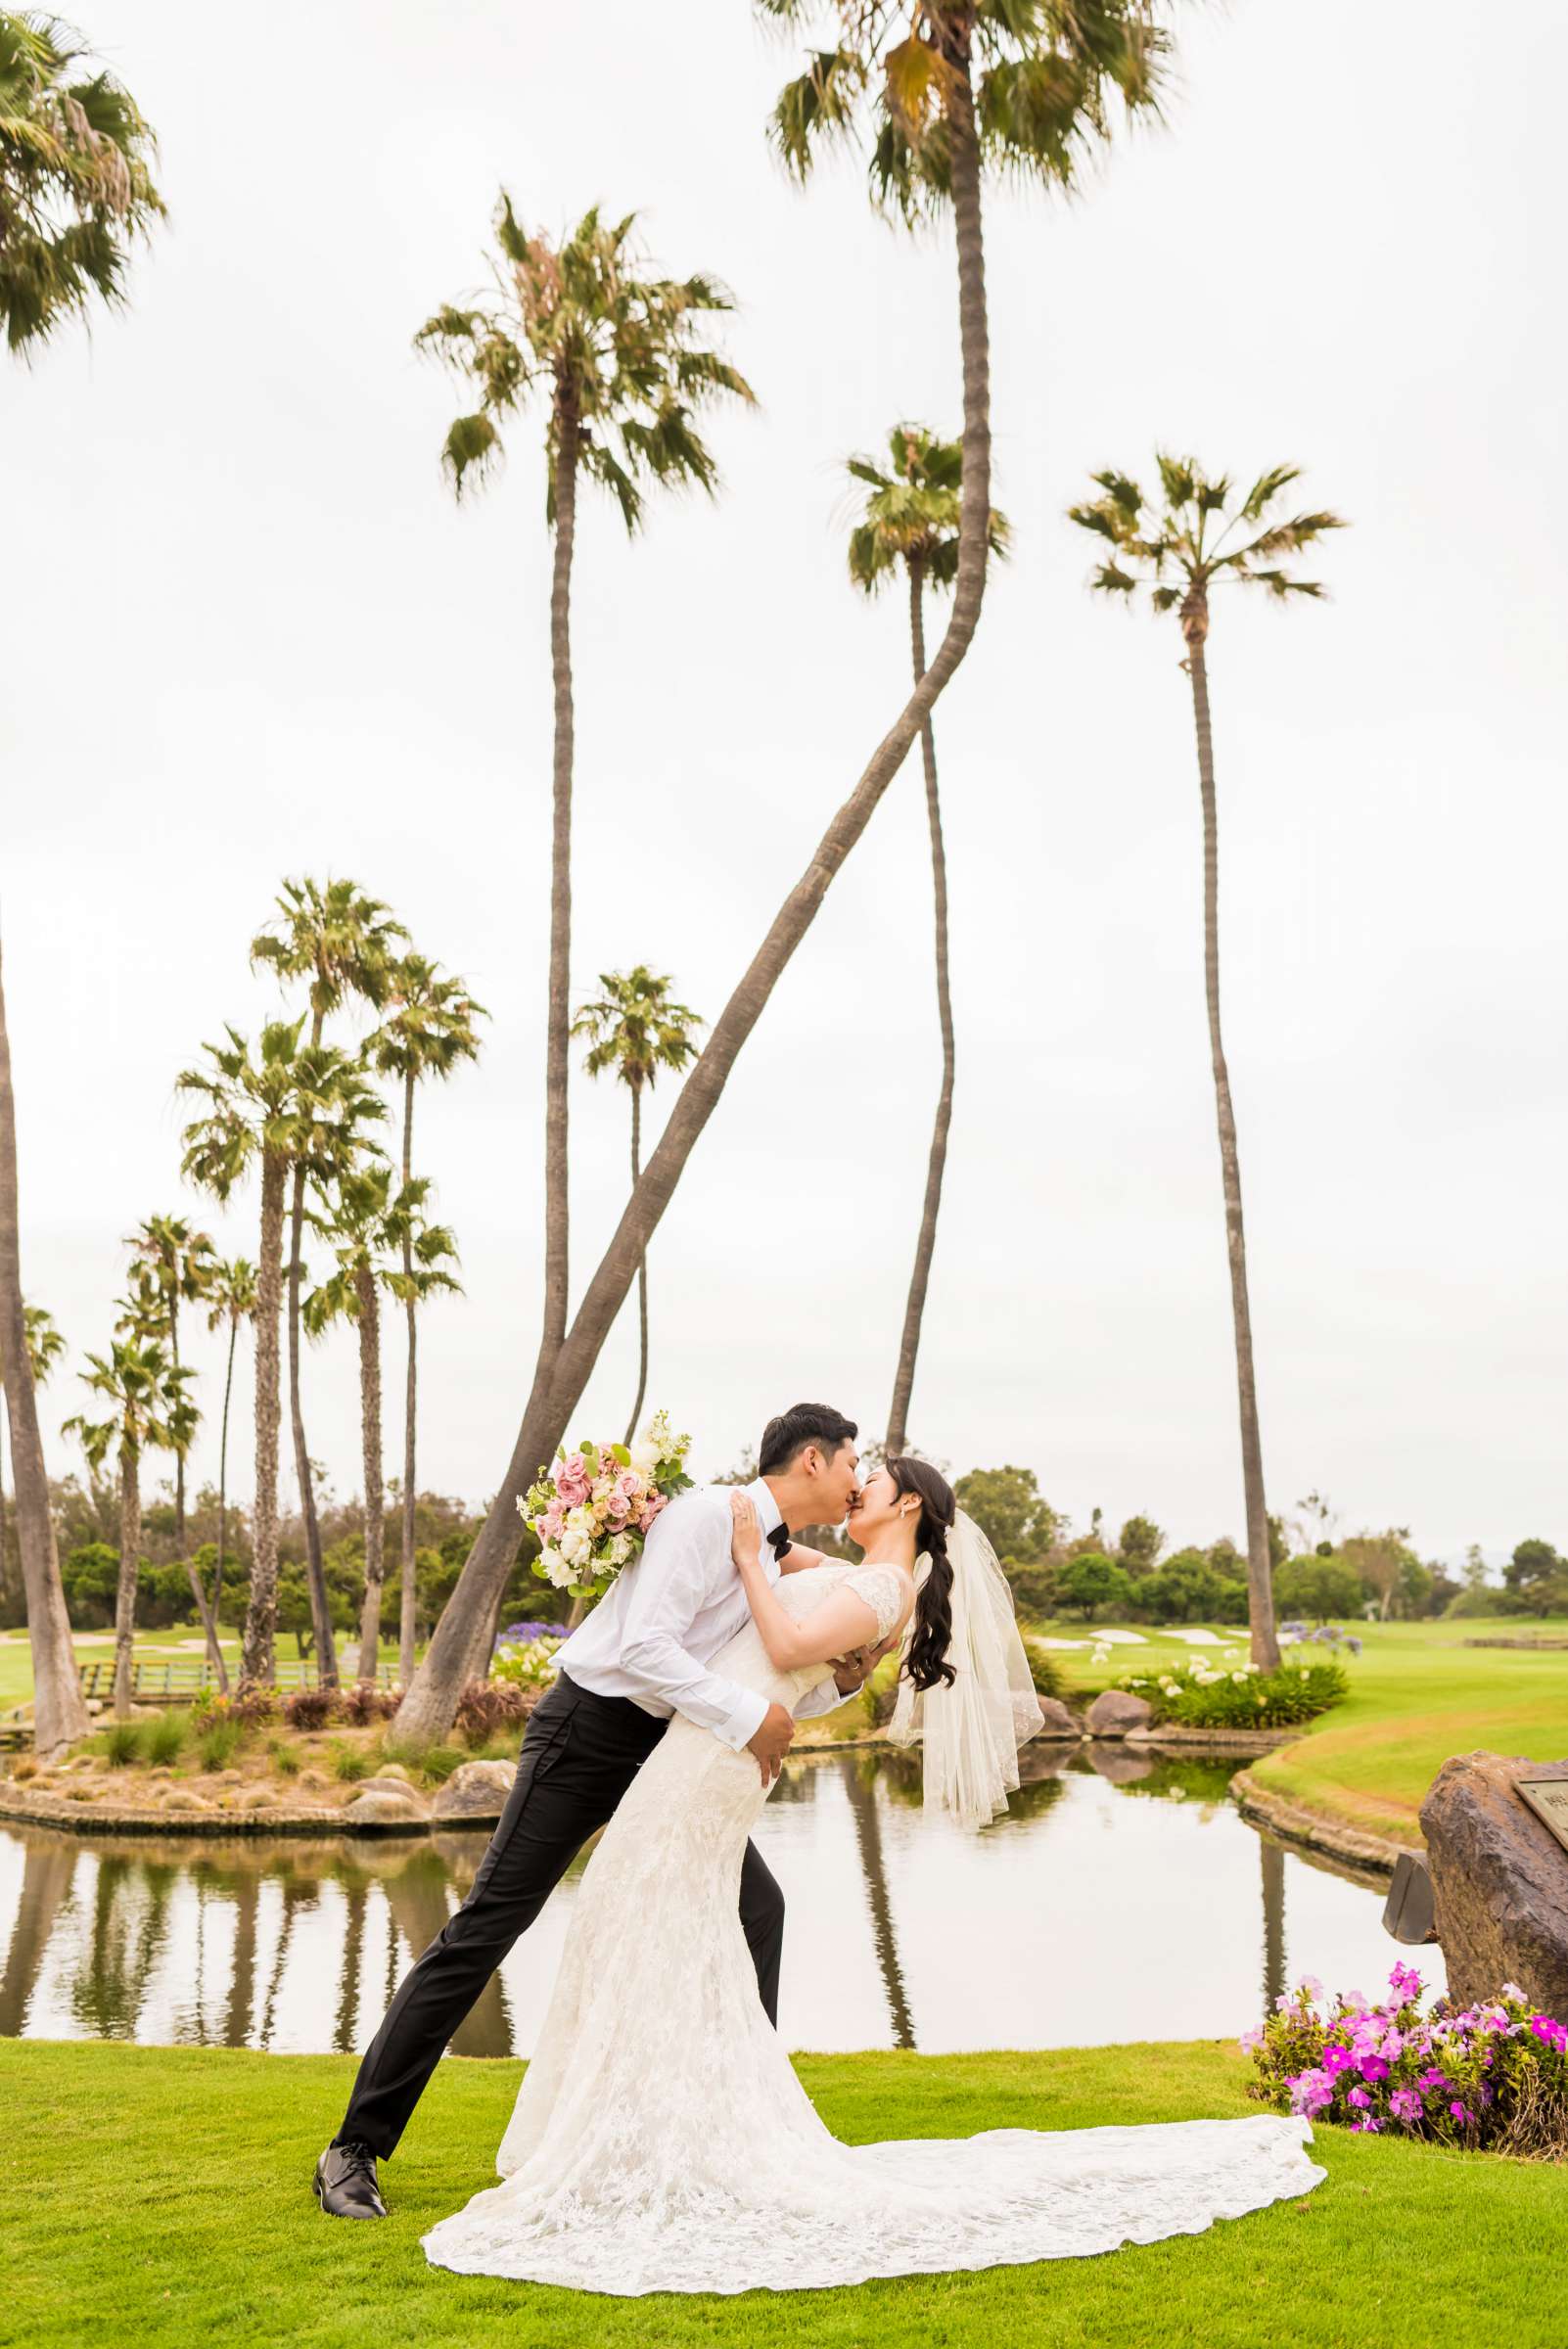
x=618 y=363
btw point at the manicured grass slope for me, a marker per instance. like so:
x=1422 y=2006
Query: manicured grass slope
x=161 y=2196
x=1418 y=1695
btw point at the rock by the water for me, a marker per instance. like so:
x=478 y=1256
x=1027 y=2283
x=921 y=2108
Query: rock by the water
x=1113 y=1712
x=388 y=1806
x=476 y=1790
x=1121 y=1765
x=1500 y=1880
x=1059 y=1722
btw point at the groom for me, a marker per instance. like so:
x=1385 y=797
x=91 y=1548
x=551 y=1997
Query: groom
x=642 y=1655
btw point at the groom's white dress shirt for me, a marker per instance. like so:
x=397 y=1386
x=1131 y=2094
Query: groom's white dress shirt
x=662 y=1620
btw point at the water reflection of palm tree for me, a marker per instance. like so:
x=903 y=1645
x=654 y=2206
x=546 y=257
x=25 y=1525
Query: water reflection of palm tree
x=1271 y=1860
x=353 y=1949
x=242 y=1975
x=862 y=1800
x=49 y=1864
x=107 y=1995
x=417 y=1899
x=296 y=1895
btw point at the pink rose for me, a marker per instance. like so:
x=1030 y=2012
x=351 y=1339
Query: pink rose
x=552 y=1524
x=650 y=1510
x=572 y=1481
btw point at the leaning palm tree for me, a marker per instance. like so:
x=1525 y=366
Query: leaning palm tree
x=75 y=179
x=291 y=1106
x=910 y=520
x=366 y=1228
x=1200 y=538
x=344 y=944
x=45 y=1346
x=634 y=1031
x=231 y=1298
x=616 y=358
x=59 y=1709
x=145 y=1392
x=1028 y=92
x=429 y=1028
x=180 y=1264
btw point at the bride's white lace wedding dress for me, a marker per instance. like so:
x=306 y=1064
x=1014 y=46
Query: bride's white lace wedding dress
x=662 y=2141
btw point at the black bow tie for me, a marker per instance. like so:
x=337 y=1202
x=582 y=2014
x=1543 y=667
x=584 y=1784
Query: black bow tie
x=780 y=1539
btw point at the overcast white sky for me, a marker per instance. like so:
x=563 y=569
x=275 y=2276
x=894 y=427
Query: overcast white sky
x=249 y=636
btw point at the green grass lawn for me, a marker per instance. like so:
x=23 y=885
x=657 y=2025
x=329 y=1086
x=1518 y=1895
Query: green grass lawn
x=1417 y=1694
x=162 y=2196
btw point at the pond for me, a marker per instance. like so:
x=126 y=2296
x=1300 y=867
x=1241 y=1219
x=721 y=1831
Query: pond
x=1123 y=1896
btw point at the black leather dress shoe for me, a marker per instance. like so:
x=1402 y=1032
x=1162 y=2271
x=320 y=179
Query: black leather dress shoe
x=345 y=2183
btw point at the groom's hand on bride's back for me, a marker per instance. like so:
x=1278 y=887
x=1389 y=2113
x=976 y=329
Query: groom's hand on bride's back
x=774 y=1735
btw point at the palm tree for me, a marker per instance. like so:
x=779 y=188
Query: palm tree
x=365 y=1228
x=292 y=1107
x=231 y=1298
x=59 y=1709
x=634 y=1030
x=150 y=1310
x=75 y=179
x=1200 y=539
x=911 y=519
x=180 y=1264
x=977 y=83
x=429 y=1028
x=146 y=1394
x=75 y=191
x=45 y=1346
x=344 y=944
x=613 y=353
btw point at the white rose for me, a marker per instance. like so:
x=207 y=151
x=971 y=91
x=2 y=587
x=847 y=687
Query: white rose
x=576 y=1546
x=645 y=1456
x=619 y=1550
x=579 y=1521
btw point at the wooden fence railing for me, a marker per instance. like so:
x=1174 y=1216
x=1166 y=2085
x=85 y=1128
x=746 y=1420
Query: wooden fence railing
x=168 y=1683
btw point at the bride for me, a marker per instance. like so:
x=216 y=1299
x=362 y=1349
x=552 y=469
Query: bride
x=660 y=2139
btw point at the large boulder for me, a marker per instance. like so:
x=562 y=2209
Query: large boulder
x=1058 y=1722
x=1500 y=1880
x=476 y=1790
x=1113 y=1712
x=386 y=1806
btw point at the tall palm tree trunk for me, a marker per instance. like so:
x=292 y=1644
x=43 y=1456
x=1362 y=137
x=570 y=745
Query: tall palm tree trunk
x=59 y=1709
x=559 y=1021
x=407 y=1625
x=130 y=1547
x=4 y=1556
x=375 y=1492
x=179 y=1456
x=1259 y=1578
x=315 y=1571
x=258 y=1645
x=936 y=1163
x=431 y=1705
x=223 y=1487
x=642 y=1270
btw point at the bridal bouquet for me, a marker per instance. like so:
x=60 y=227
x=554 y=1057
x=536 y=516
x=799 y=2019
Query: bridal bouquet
x=593 y=1509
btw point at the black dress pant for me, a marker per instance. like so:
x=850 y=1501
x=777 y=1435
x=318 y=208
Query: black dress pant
x=579 y=1754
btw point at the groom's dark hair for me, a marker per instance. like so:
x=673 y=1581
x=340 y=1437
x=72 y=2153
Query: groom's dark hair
x=785 y=1437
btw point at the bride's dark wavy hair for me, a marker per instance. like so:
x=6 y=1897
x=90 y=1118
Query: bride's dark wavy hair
x=926 y=1664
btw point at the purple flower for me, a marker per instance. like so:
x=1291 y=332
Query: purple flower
x=1359 y=2097
x=1458 y=2111
x=1365 y=2128
x=1253 y=2038
x=1405 y=1983
x=1551 y=2034
x=1337 y=2060
x=1433 y=2077
x=1372 y=2067
x=1405 y=2104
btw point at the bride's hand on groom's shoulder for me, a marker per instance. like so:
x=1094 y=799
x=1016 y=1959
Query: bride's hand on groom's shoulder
x=745 y=1533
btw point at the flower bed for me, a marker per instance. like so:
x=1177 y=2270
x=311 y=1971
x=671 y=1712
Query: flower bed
x=1225 y=1693
x=1491 y=2078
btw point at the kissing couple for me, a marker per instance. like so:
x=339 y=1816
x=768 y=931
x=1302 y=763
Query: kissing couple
x=661 y=2141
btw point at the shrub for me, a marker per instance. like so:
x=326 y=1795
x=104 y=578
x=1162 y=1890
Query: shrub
x=1043 y=1669
x=526 y=1663
x=253 y=1703
x=1200 y=1696
x=365 y=1704
x=350 y=1762
x=164 y=1738
x=218 y=1743
x=122 y=1743
x=1089 y=1580
x=486 y=1706
x=1491 y=2078
x=311 y=1708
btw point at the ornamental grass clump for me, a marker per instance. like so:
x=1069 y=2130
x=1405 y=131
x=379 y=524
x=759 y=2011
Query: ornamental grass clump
x=1225 y=1693
x=1491 y=2078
